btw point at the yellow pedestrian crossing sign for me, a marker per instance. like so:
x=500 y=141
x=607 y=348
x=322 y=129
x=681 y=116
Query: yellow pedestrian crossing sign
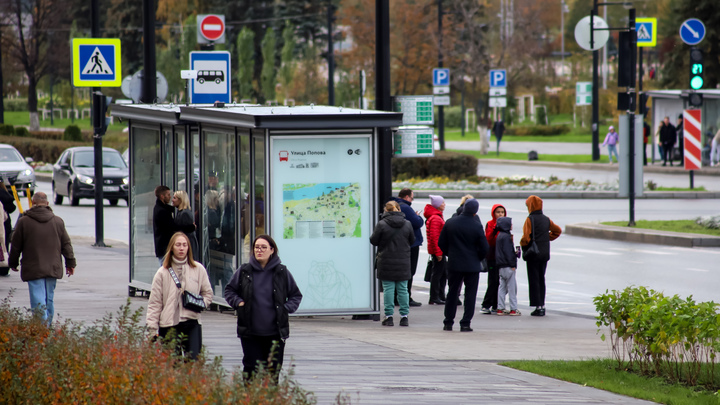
x=96 y=62
x=646 y=29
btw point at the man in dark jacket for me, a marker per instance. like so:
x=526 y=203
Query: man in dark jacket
x=668 y=137
x=163 y=222
x=40 y=237
x=404 y=199
x=498 y=130
x=463 y=241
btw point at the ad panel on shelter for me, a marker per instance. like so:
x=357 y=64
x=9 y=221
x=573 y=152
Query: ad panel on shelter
x=321 y=218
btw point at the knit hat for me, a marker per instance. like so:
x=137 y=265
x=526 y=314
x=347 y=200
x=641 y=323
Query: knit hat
x=436 y=200
x=470 y=207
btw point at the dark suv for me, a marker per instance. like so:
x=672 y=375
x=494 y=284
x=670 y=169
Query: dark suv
x=74 y=175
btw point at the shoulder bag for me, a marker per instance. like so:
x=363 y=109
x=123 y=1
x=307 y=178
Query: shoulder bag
x=190 y=301
x=532 y=252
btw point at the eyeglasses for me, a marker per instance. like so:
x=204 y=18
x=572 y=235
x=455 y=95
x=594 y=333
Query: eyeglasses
x=261 y=248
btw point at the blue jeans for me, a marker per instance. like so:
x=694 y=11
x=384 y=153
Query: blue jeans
x=403 y=297
x=42 y=293
x=612 y=149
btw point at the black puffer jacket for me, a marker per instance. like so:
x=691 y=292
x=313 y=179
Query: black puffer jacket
x=393 y=235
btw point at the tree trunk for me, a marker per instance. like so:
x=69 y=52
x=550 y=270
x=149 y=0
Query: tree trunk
x=484 y=141
x=32 y=103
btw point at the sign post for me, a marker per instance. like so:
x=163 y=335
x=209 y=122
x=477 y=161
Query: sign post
x=692 y=132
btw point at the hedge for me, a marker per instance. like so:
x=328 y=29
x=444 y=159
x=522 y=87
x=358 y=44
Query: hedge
x=452 y=165
x=543 y=130
x=40 y=150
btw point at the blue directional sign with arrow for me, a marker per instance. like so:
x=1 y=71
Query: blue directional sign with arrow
x=692 y=31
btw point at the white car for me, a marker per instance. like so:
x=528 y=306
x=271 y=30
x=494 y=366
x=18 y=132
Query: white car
x=15 y=170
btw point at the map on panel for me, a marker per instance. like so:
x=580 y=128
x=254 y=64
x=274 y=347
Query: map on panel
x=321 y=210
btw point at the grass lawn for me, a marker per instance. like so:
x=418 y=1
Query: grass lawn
x=602 y=374
x=682 y=225
x=575 y=136
x=546 y=158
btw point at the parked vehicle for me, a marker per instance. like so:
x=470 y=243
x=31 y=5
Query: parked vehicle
x=74 y=175
x=15 y=170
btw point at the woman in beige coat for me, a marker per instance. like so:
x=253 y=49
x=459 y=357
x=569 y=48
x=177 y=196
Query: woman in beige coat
x=165 y=308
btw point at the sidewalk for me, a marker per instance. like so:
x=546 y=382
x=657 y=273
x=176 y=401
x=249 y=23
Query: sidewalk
x=421 y=364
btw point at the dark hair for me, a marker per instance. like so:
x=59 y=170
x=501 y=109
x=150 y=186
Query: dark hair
x=160 y=190
x=269 y=240
x=406 y=192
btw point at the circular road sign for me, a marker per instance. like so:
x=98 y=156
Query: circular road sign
x=692 y=31
x=582 y=33
x=212 y=27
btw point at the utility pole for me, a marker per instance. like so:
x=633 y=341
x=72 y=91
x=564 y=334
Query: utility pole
x=595 y=93
x=149 y=79
x=97 y=140
x=331 y=54
x=382 y=96
x=441 y=110
x=631 y=114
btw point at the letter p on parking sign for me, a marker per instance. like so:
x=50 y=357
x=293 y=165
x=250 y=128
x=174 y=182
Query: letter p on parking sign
x=441 y=77
x=498 y=78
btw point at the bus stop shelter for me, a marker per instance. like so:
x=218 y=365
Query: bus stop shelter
x=307 y=175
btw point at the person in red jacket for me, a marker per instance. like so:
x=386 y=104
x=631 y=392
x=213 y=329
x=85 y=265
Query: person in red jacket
x=434 y=223
x=489 y=304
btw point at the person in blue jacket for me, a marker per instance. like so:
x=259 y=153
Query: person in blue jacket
x=404 y=199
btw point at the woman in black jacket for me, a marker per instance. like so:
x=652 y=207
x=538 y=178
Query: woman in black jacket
x=393 y=235
x=263 y=292
x=8 y=203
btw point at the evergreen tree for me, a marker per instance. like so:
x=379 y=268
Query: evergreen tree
x=287 y=58
x=268 y=76
x=245 y=50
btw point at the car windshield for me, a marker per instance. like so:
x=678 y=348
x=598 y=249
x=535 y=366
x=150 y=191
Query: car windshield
x=110 y=159
x=10 y=155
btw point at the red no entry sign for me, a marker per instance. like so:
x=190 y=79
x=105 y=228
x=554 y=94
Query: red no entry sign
x=212 y=27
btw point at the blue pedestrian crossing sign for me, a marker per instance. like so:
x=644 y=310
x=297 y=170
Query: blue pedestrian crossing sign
x=498 y=78
x=441 y=77
x=96 y=62
x=646 y=29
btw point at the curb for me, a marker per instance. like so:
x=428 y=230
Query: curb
x=676 y=170
x=523 y=194
x=620 y=233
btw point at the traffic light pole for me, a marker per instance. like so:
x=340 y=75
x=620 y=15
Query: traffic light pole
x=97 y=140
x=631 y=116
x=441 y=110
x=595 y=92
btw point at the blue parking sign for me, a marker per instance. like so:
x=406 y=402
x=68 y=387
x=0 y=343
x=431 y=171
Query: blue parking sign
x=441 y=77
x=498 y=78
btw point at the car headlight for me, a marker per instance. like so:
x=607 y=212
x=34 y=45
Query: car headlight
x=85 y=179
x=126 y=180
x=28 y=172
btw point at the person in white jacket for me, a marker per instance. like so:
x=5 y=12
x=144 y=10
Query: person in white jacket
x=165 y=310
x=715 y=150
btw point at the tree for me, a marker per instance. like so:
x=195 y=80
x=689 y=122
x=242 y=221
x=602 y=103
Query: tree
x=287 y=58
x=36 y=45
x=124 y=21
x=268 y=76
x=246 y=62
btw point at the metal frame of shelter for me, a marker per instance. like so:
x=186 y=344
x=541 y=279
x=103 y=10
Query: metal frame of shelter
x=330 y=153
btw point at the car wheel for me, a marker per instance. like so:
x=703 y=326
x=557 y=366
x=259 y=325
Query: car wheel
x=113 y=202
x=74 y=201
x=57 y=197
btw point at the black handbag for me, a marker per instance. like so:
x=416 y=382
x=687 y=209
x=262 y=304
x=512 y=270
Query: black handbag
x=428 y=269
x=532 y=252
x=190 y=301
x=483 y=266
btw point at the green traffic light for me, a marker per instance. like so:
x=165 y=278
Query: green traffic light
x=696 y=83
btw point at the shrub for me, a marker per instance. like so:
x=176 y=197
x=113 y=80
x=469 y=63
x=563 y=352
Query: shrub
x=72 y=133
x=15 y=104
x=21 y=131
x=543 y=130
x=49 y=135
x=7 y=129
x=41 y=150
x=445 y=164
x=116 y=362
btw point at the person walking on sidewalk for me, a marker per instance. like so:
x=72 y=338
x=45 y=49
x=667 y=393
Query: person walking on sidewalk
x=185 y=220
x=611 y=141
x=715 y=150
x=668 y=137
x=41 y=239
x=165 y=311
x=393 y=235
x=404 y=199
x=489 y=304
x=8 y=204
x=539 y=229
x=506 y=260
x=435 y=222
x=463 y=240
x=163 y=221
x=264 y=293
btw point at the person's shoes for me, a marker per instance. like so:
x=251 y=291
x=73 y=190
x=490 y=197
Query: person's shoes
x=436 y=302
x=447 y=327
x=404 y=321
x=664 y=164
x=500 y=312
x=459 y=302
x=542 y=311
x=515 y=313
x=538 y=312
x=485 y=311
x=388 y=321
x=465 y=329
x=414 y=303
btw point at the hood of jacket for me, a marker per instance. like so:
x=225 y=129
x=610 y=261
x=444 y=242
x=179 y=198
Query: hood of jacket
x=40 y=213
x=492 y=213
x=395 y=219
x=504 y=224
x=534 y=203
x=430 y=211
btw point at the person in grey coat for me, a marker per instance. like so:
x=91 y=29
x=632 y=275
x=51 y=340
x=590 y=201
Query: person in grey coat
x=393 y=235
